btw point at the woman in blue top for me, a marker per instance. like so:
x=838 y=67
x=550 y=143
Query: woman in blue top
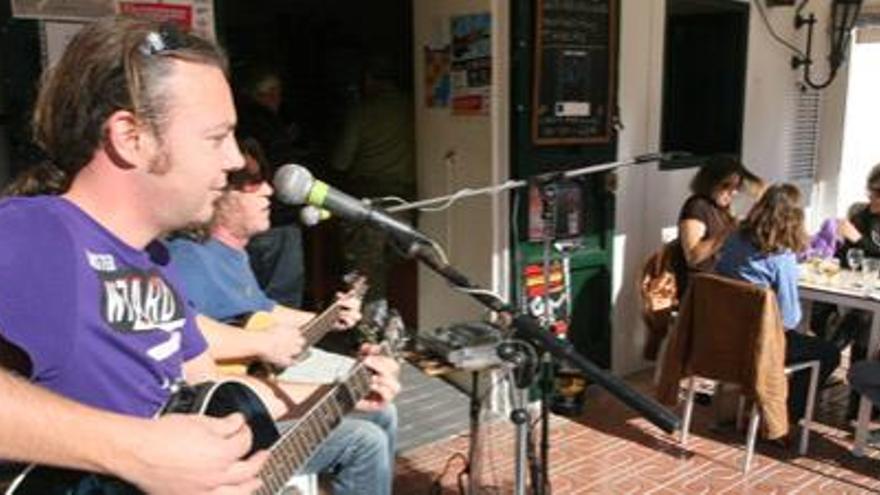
x=762 y=251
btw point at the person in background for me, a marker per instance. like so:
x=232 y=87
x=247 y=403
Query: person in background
x=864 y=378
x=276 y=255
x=763 y=251
x=375 y=158
x=706 y=218
x=219 y=283
x=862 y=227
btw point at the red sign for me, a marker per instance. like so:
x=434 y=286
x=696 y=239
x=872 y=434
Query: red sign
x=161 y=12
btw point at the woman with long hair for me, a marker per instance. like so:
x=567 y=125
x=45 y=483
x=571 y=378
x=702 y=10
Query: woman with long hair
x=763 y=251
x=706 y=218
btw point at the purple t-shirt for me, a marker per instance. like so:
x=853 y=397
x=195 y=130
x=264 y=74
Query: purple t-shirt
x=100 y=321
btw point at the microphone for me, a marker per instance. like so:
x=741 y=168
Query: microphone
x=295 y=185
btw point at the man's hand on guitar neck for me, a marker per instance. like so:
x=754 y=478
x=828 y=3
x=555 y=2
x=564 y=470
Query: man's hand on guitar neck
x=188 y=454
x=385 y=382
x=350 y=310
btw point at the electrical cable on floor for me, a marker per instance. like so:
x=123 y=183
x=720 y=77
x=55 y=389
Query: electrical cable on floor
x=437 y=484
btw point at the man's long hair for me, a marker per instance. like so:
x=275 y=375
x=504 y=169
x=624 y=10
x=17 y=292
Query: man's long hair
x=116 y=63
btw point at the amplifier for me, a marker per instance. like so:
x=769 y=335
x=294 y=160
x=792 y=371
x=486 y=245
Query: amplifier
x=469 y=345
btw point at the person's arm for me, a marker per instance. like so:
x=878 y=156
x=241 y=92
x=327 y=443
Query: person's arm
x=786 y=287
x=278 y=344
x=696 y=249
x=280 y=398
x=171 y=455
x=291 y=316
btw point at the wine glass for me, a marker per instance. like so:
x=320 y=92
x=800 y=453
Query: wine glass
x=870 y=271
x=854 y=258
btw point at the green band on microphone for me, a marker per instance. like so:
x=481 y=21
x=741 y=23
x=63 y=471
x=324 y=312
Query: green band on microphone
x=318 y=193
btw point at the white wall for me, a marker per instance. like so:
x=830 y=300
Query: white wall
x=861 y=148
x=475 y=231
x=462 y=151
x=649 y=200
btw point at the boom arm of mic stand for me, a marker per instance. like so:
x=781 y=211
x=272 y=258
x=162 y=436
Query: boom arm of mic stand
x=529 y=328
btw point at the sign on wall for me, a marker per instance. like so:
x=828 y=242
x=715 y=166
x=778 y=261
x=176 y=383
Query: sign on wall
x=471 y=64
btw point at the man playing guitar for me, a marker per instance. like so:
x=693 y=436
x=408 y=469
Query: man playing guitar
x=140 y=117
x=218 y=281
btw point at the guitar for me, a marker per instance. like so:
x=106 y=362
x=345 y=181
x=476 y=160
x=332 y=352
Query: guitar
x=289 y=451
x=313 y=331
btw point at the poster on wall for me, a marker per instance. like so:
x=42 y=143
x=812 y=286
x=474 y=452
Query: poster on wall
x=196 y=16
x=471 y=64
x=437 y=84
x=62 y=9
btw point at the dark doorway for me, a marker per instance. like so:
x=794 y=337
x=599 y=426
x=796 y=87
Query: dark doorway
x=704 y=76
x=319 y=49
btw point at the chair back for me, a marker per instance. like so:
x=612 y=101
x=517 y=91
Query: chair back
x=732 y=331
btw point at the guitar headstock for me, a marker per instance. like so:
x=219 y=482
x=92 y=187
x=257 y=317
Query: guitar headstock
x=356 y=284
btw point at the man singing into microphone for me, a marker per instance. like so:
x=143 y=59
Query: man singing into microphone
x=218 y=281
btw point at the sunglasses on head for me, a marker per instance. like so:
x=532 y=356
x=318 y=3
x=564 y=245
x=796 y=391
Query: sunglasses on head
x=168 y=37
x=244 y=180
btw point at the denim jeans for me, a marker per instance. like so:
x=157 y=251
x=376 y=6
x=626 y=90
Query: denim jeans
x=359 y=454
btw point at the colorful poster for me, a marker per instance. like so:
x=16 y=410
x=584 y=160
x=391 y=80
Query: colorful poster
x=437 y=81
x=62 y=9
x=471 y=64
x=535 y=290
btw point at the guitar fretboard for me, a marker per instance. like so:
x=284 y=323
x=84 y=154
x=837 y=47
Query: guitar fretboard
x=318 y=327
x=296 y=445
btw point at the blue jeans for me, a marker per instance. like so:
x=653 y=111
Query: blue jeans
x=359 y=454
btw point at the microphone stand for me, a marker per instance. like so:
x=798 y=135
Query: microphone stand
x=529 y=329
x=515 y=184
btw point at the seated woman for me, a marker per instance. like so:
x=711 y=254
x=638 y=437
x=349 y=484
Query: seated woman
x=706 y=218
x=762 y=251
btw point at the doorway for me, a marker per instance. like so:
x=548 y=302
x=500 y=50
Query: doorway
x=319 y=49
x=704 y=76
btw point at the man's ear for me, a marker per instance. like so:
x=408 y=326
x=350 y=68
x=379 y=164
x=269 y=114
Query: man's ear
x=128 y=142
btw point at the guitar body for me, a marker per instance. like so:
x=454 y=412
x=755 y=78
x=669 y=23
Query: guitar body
x=211 y=399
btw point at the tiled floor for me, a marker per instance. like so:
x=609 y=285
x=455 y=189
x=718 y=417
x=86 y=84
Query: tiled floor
x=611 y=450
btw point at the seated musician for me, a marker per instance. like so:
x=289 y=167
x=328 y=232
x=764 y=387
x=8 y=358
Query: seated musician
x=219 y=283
x=140 y=117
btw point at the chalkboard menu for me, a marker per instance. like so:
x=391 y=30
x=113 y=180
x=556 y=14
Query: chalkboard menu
x=573 y=91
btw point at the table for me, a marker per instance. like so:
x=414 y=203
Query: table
x=843 y=293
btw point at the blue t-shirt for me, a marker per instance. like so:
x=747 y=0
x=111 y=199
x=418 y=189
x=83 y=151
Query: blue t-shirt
x=217 y=279
x=100 y=321
x=741 y=259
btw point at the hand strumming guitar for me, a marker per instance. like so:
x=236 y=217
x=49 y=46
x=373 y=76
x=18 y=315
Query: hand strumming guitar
x=280 y=345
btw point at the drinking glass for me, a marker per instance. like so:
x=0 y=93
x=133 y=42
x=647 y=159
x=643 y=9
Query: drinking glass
x=854 y=258
x=870 y=272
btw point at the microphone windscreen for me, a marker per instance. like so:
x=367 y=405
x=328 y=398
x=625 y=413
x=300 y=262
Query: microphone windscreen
x=292 y=184
x=310 y=215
